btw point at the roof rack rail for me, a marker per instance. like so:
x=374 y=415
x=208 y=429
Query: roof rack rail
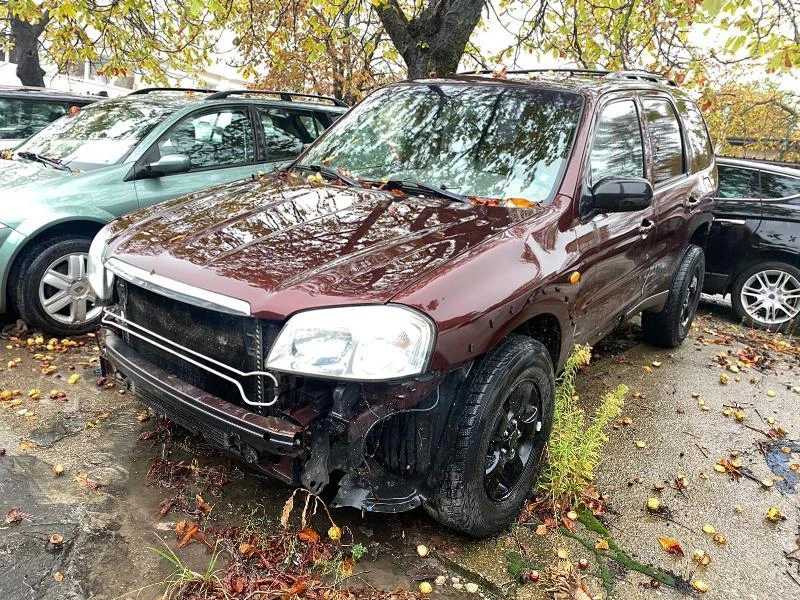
x=287 y=96
x=591 y=72
x=150 y=90
x=641 y=75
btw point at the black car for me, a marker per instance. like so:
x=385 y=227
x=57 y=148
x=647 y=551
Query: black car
x=26 y=110
x=754 y=249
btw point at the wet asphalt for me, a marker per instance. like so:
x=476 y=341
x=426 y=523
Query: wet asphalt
x=675 y=408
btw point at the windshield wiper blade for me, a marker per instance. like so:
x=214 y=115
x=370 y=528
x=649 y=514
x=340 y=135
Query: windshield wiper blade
x=433 y=189
x=333 y=173
x=50 y=162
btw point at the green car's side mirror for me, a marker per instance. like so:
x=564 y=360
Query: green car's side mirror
x=167 y=165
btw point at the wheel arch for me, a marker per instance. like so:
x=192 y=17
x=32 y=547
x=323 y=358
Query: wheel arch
x=755 y=257
x=545 y=327
x=83 y=226
x=700 y=235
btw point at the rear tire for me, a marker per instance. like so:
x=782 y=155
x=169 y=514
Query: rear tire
x=50 y=290
x=754 y=284
x=500 y=440
x=670 y=327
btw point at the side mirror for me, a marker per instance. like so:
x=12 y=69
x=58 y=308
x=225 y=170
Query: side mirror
x=622 y=194
x=167 y=165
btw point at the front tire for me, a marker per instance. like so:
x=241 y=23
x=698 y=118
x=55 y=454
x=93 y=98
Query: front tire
x=767 y=295
x=500 y=439
x=670 y=327
x=50 y=289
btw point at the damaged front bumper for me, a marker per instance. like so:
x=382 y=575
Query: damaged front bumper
x=384 y=450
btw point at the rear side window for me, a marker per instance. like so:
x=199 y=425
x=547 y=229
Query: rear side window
x=665 y=137
x=735 y=182
x=286 y=132
x=779 y=186
x=617 y=149
x=21 y=118
x=696 y=131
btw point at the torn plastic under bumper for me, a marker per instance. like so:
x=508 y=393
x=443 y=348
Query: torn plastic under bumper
x=230 y=427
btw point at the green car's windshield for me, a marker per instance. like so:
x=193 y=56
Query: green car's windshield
x=479 y=141
x=98 y=135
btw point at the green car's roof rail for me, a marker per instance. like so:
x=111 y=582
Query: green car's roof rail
x=287 y=96
x=151 y=90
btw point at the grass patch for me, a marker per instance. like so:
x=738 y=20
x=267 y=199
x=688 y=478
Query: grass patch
x=577 y=440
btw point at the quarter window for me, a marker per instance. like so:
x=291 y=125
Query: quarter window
x=737 y=183
x=617 y=149
x=779 y=186
x=217 y=139
x=699 y=141
x=665 y=137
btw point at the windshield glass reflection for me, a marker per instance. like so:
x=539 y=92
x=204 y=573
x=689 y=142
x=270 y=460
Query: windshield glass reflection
x=99 y=135
x=481 y=141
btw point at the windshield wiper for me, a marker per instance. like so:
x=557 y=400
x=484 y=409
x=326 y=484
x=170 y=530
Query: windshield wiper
x=432 y=189
x=50 y=162
x=332 y=173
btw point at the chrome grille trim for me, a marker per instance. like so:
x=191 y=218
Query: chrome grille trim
x=176 y=290
x=114 y=319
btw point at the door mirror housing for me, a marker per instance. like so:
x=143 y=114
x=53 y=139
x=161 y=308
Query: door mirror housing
x=622 y=194
x=167 y=165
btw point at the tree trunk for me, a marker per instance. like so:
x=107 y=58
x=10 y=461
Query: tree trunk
x=434 y=41
x=26 y=50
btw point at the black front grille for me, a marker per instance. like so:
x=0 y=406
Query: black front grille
x=237 y=341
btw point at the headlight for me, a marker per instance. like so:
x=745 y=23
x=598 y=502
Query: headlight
x=99 y=278
x=366 y=343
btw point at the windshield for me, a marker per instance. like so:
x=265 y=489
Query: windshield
x=480 y=141
x=98 y=135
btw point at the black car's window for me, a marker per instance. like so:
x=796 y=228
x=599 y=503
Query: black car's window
x=699 y=140
x=484 y=141
x=779 y=186
x=21 y=118
x=617 y=148
x=286 y=132
x=216 y=139
x=665 y=137
x=735 y=182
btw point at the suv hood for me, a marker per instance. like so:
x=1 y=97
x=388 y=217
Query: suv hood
x=283 y=244
x=16 y=174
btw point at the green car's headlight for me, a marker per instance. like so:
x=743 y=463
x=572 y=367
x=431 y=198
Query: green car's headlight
x=365 y=343
x=100 y=279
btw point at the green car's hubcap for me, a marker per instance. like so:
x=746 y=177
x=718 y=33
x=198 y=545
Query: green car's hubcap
x=64 y=291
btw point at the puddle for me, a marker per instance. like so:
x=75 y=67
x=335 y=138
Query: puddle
x=779 y=463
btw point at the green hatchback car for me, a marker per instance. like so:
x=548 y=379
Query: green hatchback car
x=64 y=183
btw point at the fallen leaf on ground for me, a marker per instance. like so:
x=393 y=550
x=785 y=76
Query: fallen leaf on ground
x=73 y=379
x=701 y=557
x=671 y=546
x=601 y=544
x=59 y=577
x=203 y=506
x=308 y=535
x=83 y=479
x=774 y=514
x=27 y=446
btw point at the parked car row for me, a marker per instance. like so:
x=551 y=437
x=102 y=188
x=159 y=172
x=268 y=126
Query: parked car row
x=110 y=158
x=386 y=308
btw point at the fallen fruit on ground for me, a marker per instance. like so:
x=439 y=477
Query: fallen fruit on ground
x=58 y=469
x=640 y=444
x=73 y=379
x=653 y=504
x=56 y=539
x=774 y=514
x=422 y=550
x=720 y=539
x=709 y=529
x=425 y=588
x=700 y=585
x=701 y=557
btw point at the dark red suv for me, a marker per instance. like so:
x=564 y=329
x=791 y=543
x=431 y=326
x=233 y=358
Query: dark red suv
x=388 y=314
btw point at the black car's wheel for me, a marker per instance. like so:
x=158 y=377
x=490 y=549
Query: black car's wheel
x=669 y=327
x=501 y=437
x=767 y=295
x=50 y=288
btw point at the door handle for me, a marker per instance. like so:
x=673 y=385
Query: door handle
x=646 y=227
x=692 y=201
